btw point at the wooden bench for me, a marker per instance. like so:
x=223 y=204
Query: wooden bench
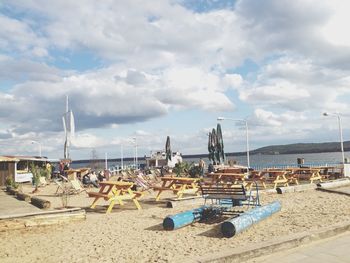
x=219 y=192
x=96 y=194
x=116 y=192
x=178 y=185
x=108 y=196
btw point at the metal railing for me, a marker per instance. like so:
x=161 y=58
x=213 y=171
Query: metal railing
x=284 y=166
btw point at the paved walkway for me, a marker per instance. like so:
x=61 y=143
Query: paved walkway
x=331 y=250
x=10 y=206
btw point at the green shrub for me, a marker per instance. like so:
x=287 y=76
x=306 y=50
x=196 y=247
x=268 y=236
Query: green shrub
x=10 y=182
x=37 y=173
x=182 y=169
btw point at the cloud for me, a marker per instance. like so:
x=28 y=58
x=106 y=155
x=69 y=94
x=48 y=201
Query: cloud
x=110 y=96
x=86 y=140
x=19 y=70
x=165 y=56
x=18 y=36
x=298 y=85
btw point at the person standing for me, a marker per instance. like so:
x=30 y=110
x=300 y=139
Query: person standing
x=202 y=167
x=61 y=168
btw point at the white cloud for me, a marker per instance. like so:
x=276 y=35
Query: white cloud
x=336 y=28
x=297 y=84
x=18 y=36
x=157 y=57
x=111 y=96
x=86 y=140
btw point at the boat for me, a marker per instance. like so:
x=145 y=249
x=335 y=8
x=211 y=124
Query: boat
x=158 y=159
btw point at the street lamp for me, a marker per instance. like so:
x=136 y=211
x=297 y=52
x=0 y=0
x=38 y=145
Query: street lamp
x=121 y=156
x=135 y=159
x=335 y=114
x=39 y=146
x=247 y=134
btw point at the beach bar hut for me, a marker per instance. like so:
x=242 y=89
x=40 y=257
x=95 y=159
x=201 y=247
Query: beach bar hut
x=18 y=167
x=7 y=168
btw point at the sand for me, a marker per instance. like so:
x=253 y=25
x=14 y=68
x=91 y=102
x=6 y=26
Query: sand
x=129 y=235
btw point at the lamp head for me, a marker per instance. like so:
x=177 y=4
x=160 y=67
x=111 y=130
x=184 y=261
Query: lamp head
x=220 y=118
x=325 y=114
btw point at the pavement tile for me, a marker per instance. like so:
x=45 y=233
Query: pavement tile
x=332 y=250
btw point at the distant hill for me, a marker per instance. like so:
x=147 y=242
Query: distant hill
x=302 y=148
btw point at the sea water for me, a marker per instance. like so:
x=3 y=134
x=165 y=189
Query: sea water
x=257 y=161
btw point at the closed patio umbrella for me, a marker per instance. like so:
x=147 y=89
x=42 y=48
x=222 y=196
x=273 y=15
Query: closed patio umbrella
x=211 y=154
x=168 y=149
x=213 y=144
x=220 y=143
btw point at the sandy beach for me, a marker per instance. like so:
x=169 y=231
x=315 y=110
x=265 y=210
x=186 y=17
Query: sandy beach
x=129 y=235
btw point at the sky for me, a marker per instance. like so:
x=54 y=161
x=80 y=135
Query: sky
x=151 y=69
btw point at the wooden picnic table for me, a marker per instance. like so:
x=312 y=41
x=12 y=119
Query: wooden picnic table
x=275 y=176
x=115 y=191
x=227 y=177
x=178 y=185
x=312 y=174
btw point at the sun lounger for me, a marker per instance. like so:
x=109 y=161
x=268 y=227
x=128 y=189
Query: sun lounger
x=77 y=187
x=70 y=187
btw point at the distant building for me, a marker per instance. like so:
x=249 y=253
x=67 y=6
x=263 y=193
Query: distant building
x=158 y=159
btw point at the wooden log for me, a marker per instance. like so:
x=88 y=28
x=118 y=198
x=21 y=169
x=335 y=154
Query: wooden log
x=334 y=184
x=185 y=201
x=296 y=188
x=11 y=190
x=24 y=197
x=41 y=203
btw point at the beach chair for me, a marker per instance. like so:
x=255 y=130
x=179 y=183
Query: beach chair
x=77 y=187
x=69 y=187
x=59 y=186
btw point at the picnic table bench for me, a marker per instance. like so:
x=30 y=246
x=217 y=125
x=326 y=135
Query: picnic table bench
x=229 y=195
x=115 y=192
x=311 y=174
x=227 y=177
x=178 y=185
x=219 y=192
x=274 y=176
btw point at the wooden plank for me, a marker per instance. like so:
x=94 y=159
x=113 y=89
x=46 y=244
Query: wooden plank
x=40 y=213
x=96 y=194
x=42 y=220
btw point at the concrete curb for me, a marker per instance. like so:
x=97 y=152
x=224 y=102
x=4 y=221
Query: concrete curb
x=256 y=250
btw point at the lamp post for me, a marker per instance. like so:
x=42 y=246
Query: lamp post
x=106 y=162
x=121 y=156
x=135 y=158
x=247 y=134
x=335 y=114
x=39 y=146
